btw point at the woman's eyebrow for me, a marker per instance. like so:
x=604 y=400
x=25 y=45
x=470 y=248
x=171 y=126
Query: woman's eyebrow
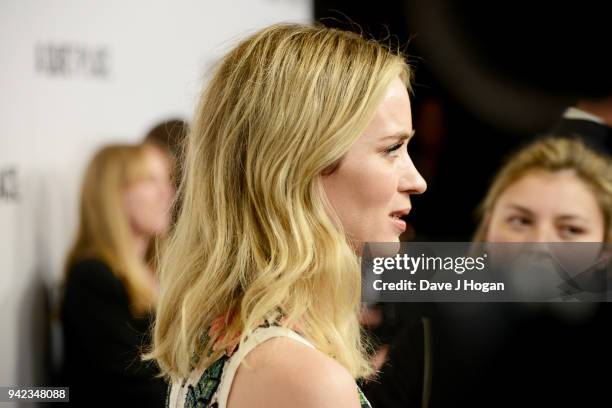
x=520 y=208
x=400 y=135
x=571 y=217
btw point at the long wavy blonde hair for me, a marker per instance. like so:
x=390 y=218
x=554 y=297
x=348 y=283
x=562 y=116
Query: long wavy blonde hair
x=256 y=233
x=552 y=154
x=104 y=231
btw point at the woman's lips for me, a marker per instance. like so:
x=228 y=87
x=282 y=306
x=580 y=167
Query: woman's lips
x=399 y=224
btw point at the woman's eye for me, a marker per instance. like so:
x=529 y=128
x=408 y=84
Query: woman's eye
x=394 y=150
x=570 y=230
x=519 y=221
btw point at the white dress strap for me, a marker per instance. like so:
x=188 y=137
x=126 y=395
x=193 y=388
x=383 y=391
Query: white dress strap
x=257 y=337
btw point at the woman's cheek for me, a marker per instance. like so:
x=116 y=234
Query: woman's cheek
x=377 y=181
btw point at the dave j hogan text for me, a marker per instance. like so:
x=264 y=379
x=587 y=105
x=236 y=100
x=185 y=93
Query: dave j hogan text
x=426 y=285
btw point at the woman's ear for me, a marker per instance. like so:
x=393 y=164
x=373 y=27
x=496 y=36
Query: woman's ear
x=331 y=168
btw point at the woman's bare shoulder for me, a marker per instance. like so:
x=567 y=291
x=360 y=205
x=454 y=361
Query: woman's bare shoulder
x=283 y=372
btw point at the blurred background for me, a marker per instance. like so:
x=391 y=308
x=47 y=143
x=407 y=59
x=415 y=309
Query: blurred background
x=76 y=75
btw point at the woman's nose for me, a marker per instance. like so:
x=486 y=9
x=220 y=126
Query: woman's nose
x=411 y=180
x=543 y=233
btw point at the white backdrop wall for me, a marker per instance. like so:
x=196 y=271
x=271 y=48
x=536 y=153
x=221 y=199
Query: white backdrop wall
x=75 y=75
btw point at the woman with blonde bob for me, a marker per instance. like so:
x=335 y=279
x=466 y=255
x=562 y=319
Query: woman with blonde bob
x=110 y=290
x=296 y=157
x=554 y=190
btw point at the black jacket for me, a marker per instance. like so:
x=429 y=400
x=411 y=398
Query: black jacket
x=103 y=342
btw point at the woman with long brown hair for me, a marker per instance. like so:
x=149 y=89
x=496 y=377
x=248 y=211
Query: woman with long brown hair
x=110 y=289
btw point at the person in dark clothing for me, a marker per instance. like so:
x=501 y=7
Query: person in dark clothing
x=511 y=354
x=556 y=190
x=110 y=289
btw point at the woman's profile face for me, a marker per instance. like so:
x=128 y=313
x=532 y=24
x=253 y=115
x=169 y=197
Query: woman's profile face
x=148 y=199
x=370 y=189
x=545 y=206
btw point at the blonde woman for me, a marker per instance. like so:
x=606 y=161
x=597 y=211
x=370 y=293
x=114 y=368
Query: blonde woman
x=110 y=290
x=553 y=190
x=296 y=157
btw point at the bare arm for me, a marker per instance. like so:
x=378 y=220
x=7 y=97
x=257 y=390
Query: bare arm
x=282 y=372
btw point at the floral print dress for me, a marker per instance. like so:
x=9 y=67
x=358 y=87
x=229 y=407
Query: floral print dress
x=209 y=388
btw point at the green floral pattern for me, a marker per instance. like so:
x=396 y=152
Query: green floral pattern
x=200 y=395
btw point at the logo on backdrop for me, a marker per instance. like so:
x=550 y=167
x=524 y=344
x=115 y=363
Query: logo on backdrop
x=72 y=60
x=8 y=184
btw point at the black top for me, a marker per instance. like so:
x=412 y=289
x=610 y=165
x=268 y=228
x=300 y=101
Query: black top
x=103 y=342
x=497 y=355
